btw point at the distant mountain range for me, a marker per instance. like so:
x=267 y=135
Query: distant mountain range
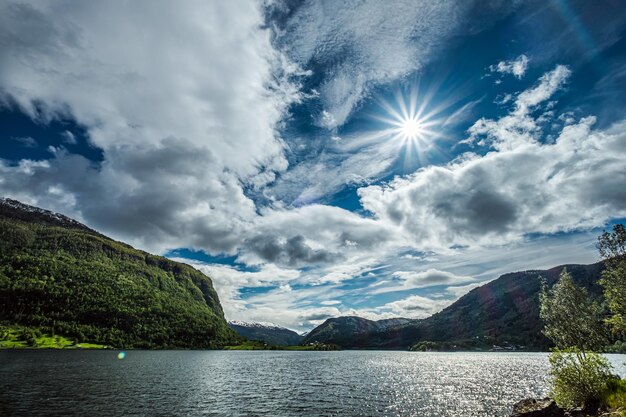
x=503 y=312
x=351 y=331
x=61 y=277
x=266 y=332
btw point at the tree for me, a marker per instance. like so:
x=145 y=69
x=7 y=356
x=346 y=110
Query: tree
x=612 y=247
x=579 y=379
x=574 y=324
x=571 y=319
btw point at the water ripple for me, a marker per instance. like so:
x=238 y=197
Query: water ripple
x=269 y=383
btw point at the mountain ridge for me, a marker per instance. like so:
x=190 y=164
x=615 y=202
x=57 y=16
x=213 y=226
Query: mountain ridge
x=350 y=331
x=266 y=332
x=504 y=311
x=59 y=275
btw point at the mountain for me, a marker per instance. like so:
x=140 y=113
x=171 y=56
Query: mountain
x=266 y=332
x=502 y=312
x=61 y=277
x=351 y=331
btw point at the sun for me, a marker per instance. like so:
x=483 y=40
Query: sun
x=411 y=128
x=410 y=125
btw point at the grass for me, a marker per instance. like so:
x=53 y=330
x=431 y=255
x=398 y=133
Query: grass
x=19 y=337
x=615 y=397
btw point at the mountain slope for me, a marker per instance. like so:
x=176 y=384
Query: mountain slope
x=351 y=331
x=61 y=276
x=268 y=333
x=502 y=311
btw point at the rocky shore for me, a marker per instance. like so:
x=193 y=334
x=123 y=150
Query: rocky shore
x=547 y=407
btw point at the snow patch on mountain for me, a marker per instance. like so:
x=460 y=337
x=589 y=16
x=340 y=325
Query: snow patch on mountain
x=257 y=325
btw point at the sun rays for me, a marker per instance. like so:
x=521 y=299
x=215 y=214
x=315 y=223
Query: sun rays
x=411 y=125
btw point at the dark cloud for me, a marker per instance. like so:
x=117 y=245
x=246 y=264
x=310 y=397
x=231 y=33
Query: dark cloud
x=476 y=211
x=317 y=316
x=291 y=252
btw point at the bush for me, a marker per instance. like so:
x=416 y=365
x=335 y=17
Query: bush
x=579 y=378
x=615 y=395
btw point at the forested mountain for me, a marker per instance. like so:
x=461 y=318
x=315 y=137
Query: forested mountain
x=266 y=332
x=351 y=331
x=58 y=275
x=502 y=312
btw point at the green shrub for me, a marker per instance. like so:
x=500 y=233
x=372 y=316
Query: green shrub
x=579 y=378
x=615 y=395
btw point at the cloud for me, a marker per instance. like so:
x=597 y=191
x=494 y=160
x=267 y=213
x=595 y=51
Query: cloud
x=185 y=116
x=522 y=186
x=423 y=279
x=416 y=307
x=25 y=141
x=459 y=291
x=359 y=44
x=548 y=84
x=228 y=280
x=406 y=280
x=518 y=127
x=315 y=234
x=69 y=138
x=293 y=251
x=516 y=67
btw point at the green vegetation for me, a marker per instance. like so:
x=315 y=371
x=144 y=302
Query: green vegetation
x=62 y=278
x=25 y=337
x=270 y=335
x=615 y=395
x=464 y=345
x=579 y=378
x=617 y=347
x=573 y=323
x=612 y=247
x=571 y=318
x=258 y=345
x=502 y=314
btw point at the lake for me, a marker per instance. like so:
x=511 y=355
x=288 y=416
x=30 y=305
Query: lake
x=269 y=383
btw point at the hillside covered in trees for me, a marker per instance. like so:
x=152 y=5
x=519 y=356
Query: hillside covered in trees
x=503 y=312
x=60 y=277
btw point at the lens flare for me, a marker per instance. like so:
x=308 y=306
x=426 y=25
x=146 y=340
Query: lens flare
x=121 y=355
x=412 y=125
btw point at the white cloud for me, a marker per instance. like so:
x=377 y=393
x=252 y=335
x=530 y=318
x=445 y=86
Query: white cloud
x=516 y=67
x=364 y=43
x=518 y=127
x=416 y=307
x=523 y=186
x=183 y=99
x=410 y=280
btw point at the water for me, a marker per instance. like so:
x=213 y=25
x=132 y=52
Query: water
x=269 y=383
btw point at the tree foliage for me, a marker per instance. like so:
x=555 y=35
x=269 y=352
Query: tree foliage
x=573 y=322
x=612 y=247
x=571 y=318
x=578 y=377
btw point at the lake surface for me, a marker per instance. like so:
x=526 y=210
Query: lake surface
x=269 y=383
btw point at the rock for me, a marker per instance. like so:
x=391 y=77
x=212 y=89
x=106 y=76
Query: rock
x=575 y=412
x=531 y=407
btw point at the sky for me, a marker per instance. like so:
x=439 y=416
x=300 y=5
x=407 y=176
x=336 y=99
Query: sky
x=323 y=158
